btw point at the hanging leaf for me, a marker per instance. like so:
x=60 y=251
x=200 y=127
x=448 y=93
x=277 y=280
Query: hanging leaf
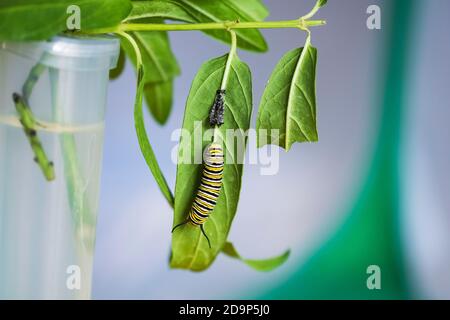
x=289 y=100
x=144 y=143
x=259 y=265
x=158 y=59
x=189 y=248
x=228 y=10
x=159 y=99
x=141 y=132
x=160 y=66
x=22 y=20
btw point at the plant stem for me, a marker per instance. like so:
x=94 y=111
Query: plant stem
x=313 y=11
x=134 y=45
x=32 y=78
x=301 y=23
x=28 y=122
x=229 y=60
x=226 y=75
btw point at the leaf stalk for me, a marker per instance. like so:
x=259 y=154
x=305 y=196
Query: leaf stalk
x=300 y=23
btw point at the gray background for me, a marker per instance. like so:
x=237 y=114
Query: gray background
x=298 y=207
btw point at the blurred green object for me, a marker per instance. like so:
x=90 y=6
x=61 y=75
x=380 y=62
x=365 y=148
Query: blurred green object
x=371 y=233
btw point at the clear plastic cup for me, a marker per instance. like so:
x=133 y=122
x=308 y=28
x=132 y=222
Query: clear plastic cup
x=47 y=228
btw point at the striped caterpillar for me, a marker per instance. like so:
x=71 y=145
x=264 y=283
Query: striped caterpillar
x=209 y=189
x=211 y=181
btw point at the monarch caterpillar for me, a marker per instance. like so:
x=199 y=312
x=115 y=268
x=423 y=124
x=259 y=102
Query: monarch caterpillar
x=29 y=124
x=209 y=189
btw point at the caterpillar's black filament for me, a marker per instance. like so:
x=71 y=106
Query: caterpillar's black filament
x=209 y=190
x=218 y=108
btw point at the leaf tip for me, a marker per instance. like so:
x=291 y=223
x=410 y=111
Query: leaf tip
x=259 y=47
x=322 y=3
x=287 y=145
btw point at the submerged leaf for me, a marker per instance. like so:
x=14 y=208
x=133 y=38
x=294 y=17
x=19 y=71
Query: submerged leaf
x=289 y=101
x=189 y=247
x=260 y=264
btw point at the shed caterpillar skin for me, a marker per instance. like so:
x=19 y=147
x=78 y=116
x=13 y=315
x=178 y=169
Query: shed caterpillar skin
x=209 y=189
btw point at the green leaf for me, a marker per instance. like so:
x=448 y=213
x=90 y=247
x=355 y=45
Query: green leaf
x=144 y=143
x=159 y=9
x=117 y=71
x=159 y=99
x=41 y=19
x=259 y=265
x=193 y=11
x=322 y=3
x=158 y=58
x=251 y=9
x=189 y=247
x=230 y=10
x=160 y=64
x=288 y=103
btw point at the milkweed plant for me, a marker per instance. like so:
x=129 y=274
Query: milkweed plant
x=220 y=100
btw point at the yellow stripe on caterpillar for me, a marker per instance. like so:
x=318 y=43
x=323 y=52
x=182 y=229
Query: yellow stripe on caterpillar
x=209 y=189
